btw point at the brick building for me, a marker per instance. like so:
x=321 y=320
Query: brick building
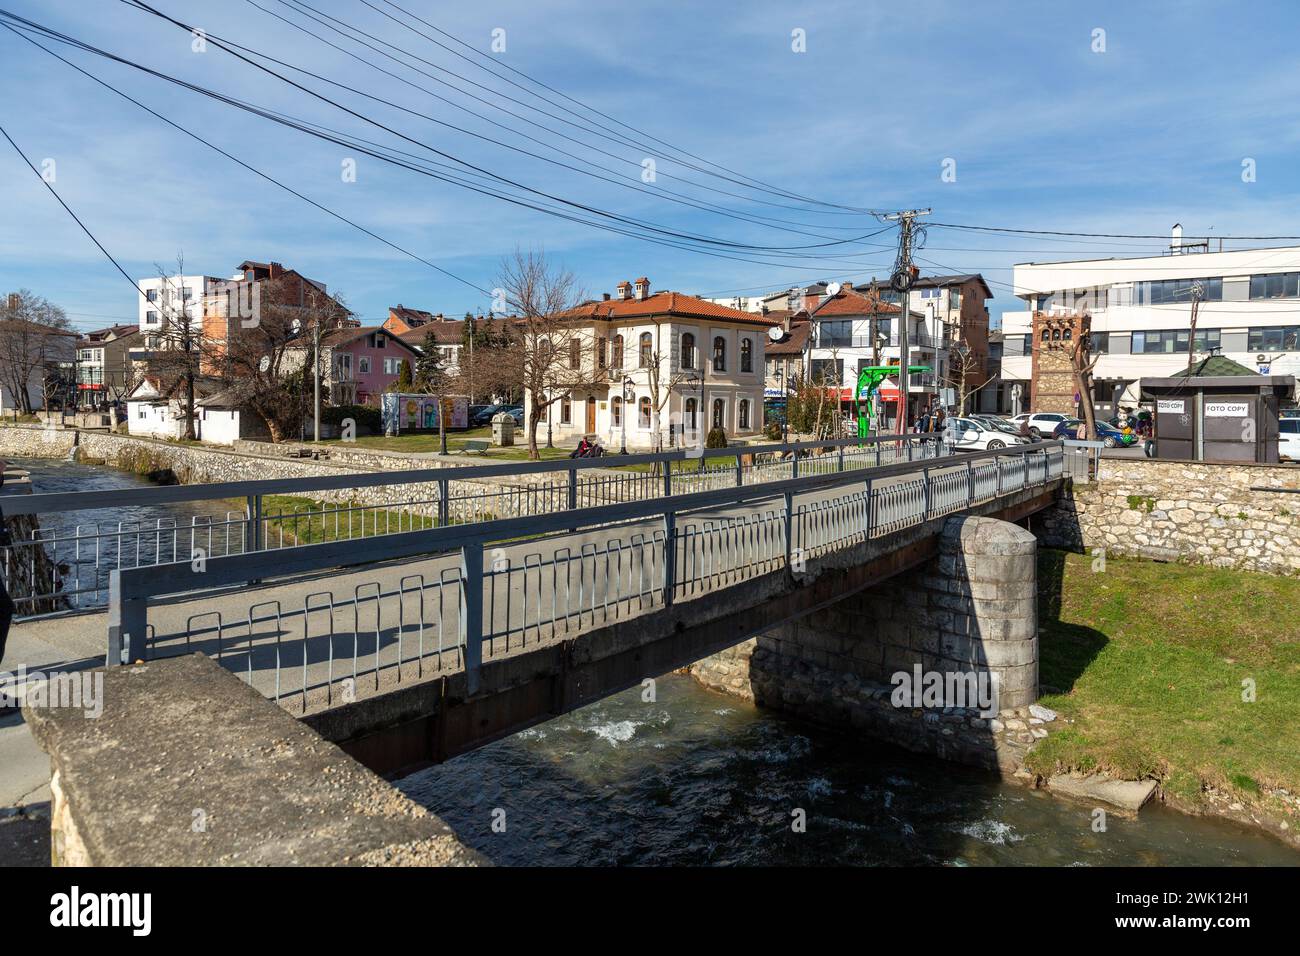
x=1052 y=386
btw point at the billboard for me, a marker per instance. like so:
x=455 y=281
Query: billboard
x=406 y=411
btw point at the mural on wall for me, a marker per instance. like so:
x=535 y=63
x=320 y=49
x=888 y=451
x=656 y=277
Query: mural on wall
x=404 y=411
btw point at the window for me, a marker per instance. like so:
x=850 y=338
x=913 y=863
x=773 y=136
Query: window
x=1174 y=340
x=1274 y=337
x=616 y=361
x=345 y=365
x=1099 y=342
x=719 y=411
x=1280 y=285
x=692 y=410
x=379 y=342
x=643 y=407
x=688 y=350
x=1179 y=290
x=827 y=371
x=152 y=295
x=743 y=423
x=363 y=365
x=1067 y=334
x=719 y=354
x=747 y=355
x=1289 y=426
x=575 y=354
x=566 y=411
x=616 y=409
x=954 y=298
x=1047 y=335
x=647 y=350
x=600 y=352
x=151 y=316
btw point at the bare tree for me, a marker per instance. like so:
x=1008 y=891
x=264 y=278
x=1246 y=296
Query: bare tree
x=178 y=355
x=260 y=359
x=32 y=329
x=1082 y=365
x=543 y=330
x=963 y=365
x=663 y=379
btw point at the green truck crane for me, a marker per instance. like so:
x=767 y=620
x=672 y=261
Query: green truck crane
x=869 y=379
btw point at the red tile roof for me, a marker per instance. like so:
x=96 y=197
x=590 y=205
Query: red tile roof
x=794 y=342
x=667 y=303
x=847 y=302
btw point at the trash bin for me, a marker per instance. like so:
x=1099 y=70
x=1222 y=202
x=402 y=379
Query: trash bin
x=503 y=429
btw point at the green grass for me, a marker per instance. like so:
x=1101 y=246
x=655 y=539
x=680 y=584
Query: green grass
x=1148 y=660
x=301 y=522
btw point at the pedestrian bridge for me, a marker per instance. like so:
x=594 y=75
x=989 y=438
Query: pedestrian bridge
x=408 y=645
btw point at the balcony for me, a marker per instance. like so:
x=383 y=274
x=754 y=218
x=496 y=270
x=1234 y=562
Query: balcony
x=919 y=341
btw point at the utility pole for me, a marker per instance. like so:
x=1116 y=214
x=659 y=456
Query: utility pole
x=901 y=281
x=1198 y=292
x=315 y=370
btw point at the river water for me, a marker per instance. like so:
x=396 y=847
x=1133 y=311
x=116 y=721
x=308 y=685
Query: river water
x=696 y=778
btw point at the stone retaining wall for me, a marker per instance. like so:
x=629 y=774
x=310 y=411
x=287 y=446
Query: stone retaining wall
x=1183 y=511
x=972 y=609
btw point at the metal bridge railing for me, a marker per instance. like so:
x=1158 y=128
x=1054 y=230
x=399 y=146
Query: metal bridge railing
x=60 y=569
x=499 y=586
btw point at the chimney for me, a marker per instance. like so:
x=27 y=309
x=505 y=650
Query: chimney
x=642 y=288
x=13 y=301
x=1176 y=239
x=606 y=296
x=623 y=289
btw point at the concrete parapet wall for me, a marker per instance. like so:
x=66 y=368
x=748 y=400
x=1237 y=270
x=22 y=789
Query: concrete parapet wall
x=188 y=766
x=1183 y=511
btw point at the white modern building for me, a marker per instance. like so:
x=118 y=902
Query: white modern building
x=1141 y=309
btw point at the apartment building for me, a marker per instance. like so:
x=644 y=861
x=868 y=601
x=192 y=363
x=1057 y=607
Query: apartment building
x=104 y=368
x=660 y=367
x=1140 y=311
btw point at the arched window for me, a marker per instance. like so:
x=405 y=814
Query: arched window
x=719 y=409
x=616 y=361
x=688 y=350
x=1065 y=336
x=1046 y=334
x=1056 y=334
x=616 y=408
x=647 y=350
x=692 y=410
x=746 y=355
x=643 y=406
x=743 y=423
x=719 y=354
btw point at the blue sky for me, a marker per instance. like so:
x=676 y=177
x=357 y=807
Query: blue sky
x=1045 y=133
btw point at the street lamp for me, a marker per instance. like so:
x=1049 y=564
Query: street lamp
x=629 y=393
x=785 y=407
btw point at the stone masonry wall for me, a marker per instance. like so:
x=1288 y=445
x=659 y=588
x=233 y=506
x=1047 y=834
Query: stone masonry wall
x=197 y=464
x=971 y=609
x=1183 y=511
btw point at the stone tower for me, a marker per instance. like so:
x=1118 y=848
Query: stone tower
x=1051 y=387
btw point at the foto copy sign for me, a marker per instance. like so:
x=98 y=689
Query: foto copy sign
x=1227 y=409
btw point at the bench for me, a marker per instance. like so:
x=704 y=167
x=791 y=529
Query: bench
x=474 y=446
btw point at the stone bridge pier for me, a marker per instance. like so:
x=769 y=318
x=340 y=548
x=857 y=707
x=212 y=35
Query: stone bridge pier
x=963 y=626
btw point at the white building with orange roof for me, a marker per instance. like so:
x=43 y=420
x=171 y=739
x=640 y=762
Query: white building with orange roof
x=661 y=368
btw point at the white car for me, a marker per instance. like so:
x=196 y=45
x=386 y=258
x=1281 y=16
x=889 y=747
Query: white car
x=970 y=434
x=1040 y=423
x=1288 y=439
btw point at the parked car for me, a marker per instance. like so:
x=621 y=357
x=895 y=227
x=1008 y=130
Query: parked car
x=972 y=434
x=483 y=416
x=996 y=423
x=1040 y=423
x=1067 y=428
x=1288 y=439
x=517 y=413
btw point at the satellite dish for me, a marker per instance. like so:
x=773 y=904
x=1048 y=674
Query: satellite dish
x=776 y=333
x=833 y=290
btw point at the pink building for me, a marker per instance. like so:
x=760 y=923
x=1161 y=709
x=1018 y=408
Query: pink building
x=360 y=363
